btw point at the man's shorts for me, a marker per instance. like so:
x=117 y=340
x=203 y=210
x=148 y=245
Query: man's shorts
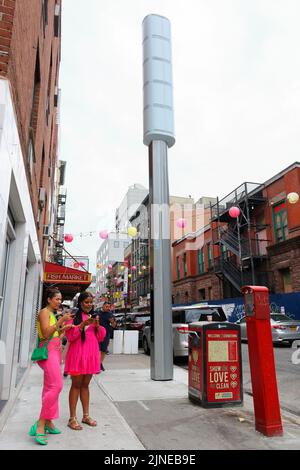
x=104 y=345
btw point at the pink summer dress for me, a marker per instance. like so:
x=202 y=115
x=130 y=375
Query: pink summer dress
x=83 y=357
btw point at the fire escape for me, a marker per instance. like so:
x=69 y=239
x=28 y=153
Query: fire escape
x=60 y=223
x=242 y=241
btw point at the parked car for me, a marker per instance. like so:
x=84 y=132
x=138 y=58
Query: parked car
x=136 y=321
x=181 y=317
x=119 y=317
x=284 y=329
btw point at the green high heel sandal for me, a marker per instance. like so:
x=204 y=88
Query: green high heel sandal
x=52 y=431
x=40 y=438
x=33 y=429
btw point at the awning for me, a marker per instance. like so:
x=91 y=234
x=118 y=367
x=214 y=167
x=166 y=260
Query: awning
x=68 y=280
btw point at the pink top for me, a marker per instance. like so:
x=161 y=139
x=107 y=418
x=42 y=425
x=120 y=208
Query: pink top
x=84 y=357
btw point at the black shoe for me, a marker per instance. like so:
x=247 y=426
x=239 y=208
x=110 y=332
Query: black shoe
x=65 y=374
x=102 y=367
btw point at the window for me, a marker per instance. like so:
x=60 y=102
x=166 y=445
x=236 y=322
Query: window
x=184 y=265
x=45 y=13
x=116 y=244
x=56 y=20
x=286 y=280
x=42 y=168
x=224 y=252
x=126 y=244
x=201 y=261
x=178 y=267
x=201 y=293
x=10 y=237
x=31 y=157
x=49 y=93
x=209 y=255
x=280 y=222
x=36 y=93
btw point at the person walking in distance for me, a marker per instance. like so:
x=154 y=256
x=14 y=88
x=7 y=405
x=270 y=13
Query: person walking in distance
x=82 y=358
x=108 y=321
x=50 y=328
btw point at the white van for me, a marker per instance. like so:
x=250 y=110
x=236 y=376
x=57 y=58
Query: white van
x=181 y=317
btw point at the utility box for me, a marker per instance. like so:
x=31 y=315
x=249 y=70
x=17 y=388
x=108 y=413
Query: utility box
x=215 y=364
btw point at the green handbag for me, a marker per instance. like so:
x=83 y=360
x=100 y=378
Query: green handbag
x=41 y=354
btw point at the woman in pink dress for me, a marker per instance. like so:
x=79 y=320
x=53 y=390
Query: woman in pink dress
x=83 y=359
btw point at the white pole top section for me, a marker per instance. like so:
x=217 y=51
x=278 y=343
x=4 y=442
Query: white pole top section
x=158 y=85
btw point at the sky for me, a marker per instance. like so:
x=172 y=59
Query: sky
x=236 y=75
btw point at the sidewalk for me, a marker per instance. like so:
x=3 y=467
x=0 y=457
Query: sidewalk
x=135 y=413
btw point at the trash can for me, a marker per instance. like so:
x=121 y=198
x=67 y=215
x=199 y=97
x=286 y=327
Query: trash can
x=215 y=364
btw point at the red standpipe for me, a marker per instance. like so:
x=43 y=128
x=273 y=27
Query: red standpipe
x=262 y=364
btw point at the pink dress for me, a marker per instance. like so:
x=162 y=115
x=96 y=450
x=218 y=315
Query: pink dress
x=83 y=358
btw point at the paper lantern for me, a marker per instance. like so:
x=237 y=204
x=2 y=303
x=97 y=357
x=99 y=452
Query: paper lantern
x=103 y=234
x=110 y=267
x=144 y=268
x=234 y=212
x=132 y=232
x=129 y=275
x=133 y=268
x=68 y=238
x=293 y=198
x=140 y=272
x=122 y=268
x=181 y=223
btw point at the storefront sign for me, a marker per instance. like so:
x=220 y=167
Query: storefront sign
x=68 y=277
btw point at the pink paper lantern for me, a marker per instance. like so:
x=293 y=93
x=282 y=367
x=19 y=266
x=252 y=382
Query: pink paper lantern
x=133 y=268
x=234 y=212
x=68 y=238
x=103 y=234
x=181 y=223
x=110 y=266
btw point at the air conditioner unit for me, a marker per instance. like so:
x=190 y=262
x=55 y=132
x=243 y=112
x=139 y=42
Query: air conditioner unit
x=42 y=198
x=46 y=231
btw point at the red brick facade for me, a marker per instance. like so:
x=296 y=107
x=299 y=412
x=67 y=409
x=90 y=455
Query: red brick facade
x=277 y=237
x=30 y=59
x=282 y=257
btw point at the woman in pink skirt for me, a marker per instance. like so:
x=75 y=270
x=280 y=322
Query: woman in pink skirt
x=83 y=359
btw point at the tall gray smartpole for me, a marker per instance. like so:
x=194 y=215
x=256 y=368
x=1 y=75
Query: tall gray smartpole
x=158 y=136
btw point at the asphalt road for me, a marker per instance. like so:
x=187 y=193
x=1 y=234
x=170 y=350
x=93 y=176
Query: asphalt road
x=288 y=375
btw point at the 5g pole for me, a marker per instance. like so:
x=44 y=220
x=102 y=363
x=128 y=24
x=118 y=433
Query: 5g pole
x=158 y=136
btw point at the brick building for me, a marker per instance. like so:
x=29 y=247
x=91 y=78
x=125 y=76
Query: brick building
x=29 y=72
x=261 y=246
